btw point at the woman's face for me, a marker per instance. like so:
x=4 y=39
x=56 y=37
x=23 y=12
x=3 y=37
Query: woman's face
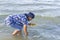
x=29 y=18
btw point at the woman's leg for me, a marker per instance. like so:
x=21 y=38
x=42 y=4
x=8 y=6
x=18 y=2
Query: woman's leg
x=19 y=33
x=15 y=32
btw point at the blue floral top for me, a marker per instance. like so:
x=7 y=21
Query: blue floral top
x=16 y=21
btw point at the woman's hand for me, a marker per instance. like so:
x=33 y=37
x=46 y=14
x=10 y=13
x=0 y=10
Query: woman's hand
x=32 y=24
x=26 y=33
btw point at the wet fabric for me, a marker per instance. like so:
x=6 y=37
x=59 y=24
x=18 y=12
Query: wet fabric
x=16 y=21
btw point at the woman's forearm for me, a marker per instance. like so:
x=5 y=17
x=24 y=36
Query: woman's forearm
x=25 y=30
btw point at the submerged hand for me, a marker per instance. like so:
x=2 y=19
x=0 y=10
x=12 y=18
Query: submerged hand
x=26 y=33
x=32 y=24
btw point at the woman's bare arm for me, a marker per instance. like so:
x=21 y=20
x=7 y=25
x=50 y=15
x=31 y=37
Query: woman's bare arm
x=25 y=30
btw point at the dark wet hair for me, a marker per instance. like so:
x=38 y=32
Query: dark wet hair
x=30 y=14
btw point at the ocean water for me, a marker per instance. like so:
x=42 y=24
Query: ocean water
x=47 y=19
x=46 y=28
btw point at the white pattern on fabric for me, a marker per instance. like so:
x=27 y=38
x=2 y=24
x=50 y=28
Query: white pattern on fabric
x=16 y=21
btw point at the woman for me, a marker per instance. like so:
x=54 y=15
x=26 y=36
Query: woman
x=19 y=22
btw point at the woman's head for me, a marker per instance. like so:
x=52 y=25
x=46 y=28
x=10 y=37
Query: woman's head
x=30 y=16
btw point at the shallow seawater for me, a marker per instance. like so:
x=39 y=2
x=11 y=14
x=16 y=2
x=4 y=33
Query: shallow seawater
x=46 y=28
